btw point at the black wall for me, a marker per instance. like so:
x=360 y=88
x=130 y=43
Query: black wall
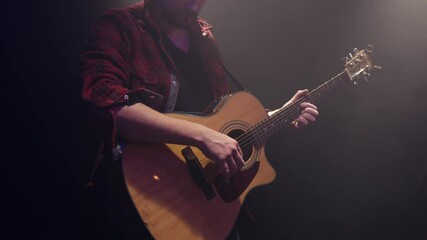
x=359 y=172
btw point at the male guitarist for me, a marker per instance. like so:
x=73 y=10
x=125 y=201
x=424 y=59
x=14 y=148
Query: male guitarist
x=141 y=61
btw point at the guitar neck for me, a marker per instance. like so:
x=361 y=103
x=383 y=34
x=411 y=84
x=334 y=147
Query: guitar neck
x=282 y=118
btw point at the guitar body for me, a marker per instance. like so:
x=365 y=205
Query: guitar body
x=167 y=198
x=172 y=201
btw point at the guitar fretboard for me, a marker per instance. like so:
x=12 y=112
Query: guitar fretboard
x=260 y=132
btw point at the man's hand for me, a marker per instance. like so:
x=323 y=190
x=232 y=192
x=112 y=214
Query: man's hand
x=308 y=113
x=224 y=150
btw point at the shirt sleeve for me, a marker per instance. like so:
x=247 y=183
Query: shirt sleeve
x=105 y=72
x=105 y=62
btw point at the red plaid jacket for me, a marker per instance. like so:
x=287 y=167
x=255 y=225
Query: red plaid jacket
x=125 y=63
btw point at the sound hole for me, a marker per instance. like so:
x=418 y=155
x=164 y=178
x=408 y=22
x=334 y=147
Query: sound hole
x=245 y=143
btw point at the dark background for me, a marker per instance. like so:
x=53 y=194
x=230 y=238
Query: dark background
x=360 y=172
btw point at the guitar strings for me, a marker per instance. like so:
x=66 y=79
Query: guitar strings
x=259 y=132
x=283 y=116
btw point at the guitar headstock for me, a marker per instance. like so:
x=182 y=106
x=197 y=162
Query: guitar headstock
x=359 y=64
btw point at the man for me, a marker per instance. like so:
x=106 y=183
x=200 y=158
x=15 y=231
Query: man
x=153 y=57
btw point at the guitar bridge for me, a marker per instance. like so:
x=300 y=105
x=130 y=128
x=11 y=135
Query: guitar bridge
x=197 y=173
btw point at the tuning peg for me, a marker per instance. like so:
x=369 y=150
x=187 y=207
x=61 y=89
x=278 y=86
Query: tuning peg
x=346 y=59
x=366 y=76
x=351 y=55
x=369 y=48
x=355 y=50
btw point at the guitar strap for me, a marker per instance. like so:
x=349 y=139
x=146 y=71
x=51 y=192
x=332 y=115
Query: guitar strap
x=237 y=83
x=90 y=185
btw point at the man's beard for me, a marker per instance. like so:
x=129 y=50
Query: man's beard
x=180 y=18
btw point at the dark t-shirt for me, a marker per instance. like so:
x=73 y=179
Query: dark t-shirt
x=195 y=93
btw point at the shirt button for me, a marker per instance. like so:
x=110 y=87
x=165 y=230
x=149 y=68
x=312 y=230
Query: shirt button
x=126 y=96
x=204 y=34
x=152 y=97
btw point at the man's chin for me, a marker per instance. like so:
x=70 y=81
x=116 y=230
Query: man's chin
x=182 y=20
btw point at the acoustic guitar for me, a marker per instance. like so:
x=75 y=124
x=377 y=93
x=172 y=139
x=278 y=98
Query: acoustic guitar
x=178 y=192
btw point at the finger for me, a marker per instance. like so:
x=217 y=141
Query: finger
x=308 y=105
x=225 y=172
x=299 y=94
x=309 y=118
x=232 y=166
x=302 y=93
x=239 y=149
x=238 y=159
x=301 y=122
x=311 y=112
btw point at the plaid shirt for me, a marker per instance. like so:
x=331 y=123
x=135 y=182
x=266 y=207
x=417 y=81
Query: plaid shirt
x=125 y=63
